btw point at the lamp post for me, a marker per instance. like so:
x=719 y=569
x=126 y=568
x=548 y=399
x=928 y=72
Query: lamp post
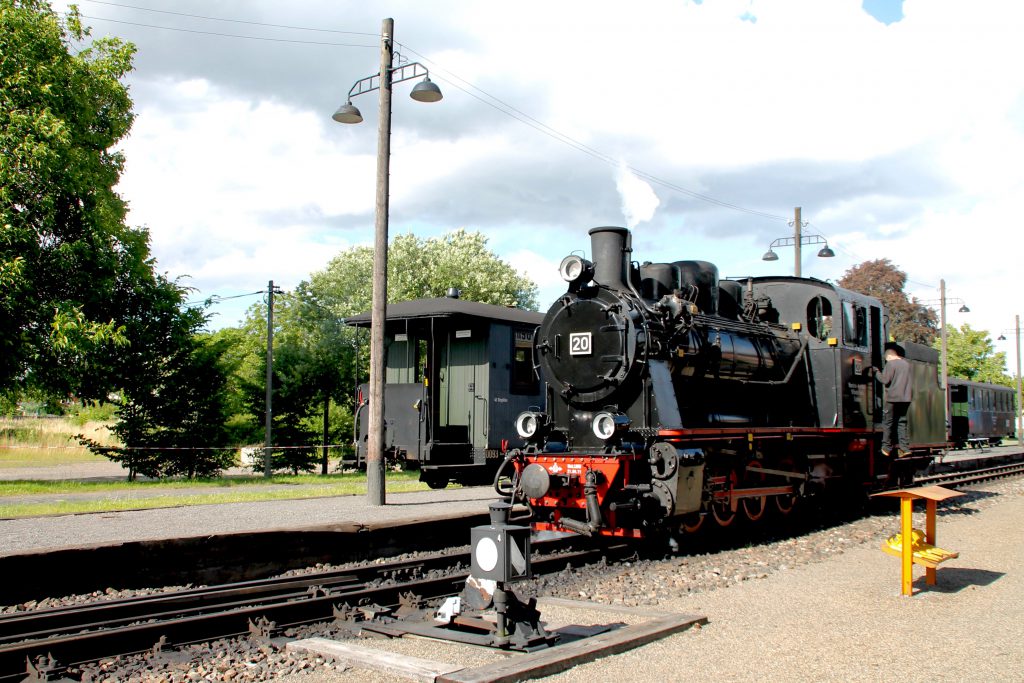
x=1020 y=413
x=796 y=241
x=944 y=348
x=424 y=91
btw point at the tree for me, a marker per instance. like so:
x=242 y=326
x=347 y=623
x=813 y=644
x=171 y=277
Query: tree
x=420 y=268
x=909 y=320
x=313 y=372
x=972 y=355
x=172 y=405
x=64 y=248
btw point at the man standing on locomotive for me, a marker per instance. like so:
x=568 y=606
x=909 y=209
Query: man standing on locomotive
x=896 y=378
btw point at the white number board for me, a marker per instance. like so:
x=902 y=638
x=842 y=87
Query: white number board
x=579 y=344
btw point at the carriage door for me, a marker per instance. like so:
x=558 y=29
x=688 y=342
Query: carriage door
x=462 y=378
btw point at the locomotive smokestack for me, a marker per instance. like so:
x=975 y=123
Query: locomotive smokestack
x=610 y=249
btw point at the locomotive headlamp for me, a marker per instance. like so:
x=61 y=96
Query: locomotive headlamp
x=607 y=424
x=575 y=268
x=530 y=423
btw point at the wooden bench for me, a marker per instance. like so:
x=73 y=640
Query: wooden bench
x=927 y=555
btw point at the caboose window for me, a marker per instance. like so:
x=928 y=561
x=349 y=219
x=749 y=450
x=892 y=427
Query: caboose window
x=523 y=379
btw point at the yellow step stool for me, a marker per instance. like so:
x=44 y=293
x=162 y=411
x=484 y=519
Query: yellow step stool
x=922 y=551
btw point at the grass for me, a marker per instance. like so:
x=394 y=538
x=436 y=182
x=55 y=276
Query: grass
x=45 y=442
x=341 y=483
x=181 y=493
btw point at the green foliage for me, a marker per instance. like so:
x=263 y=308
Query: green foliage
x=909 y=320
x=82 y=310
x=92 y=411
x=971 y=355
x=64 y=249
x=171 y=417
x=420 y=268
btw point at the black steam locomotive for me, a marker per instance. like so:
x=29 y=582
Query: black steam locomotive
x=674 y=396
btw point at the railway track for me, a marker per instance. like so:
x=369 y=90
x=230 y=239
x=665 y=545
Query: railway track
x=971 y=476
x=44 y=644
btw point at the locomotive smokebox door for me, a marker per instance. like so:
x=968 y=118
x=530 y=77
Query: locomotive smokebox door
x=501 y=551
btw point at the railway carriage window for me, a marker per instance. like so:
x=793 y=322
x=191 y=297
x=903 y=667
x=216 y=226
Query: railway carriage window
x=855 y=324
x=421 y=359
x=523 y=379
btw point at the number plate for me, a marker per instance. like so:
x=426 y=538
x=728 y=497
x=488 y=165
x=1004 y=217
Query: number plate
x=579 y=344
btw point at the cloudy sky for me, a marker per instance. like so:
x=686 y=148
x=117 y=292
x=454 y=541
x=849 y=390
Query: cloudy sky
x=898 y=127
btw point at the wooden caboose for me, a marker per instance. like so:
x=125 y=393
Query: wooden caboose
x=457 y=374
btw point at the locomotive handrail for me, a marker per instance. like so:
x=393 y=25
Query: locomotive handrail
x=792 y=368
x=734 y=325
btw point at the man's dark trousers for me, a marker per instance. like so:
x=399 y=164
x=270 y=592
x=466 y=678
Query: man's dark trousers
x=894 y=427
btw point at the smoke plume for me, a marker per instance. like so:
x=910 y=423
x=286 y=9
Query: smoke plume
x=638 y=199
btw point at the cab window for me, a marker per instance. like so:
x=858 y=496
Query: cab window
x=855 y=324
x=819 y=318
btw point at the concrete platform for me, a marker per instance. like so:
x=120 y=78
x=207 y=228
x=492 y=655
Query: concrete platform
x=204 y=544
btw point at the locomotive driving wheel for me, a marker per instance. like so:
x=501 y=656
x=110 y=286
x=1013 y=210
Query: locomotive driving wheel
x=692 y=523
x=754 y=508
x=783 y=503
x=722 y=510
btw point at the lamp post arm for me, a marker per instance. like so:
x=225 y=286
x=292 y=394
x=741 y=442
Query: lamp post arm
x=406 y=72
x=804 y=239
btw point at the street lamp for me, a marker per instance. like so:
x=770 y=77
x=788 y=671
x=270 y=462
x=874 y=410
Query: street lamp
x=1020 y=412
x=796 y=241
x=425 y=91
x=943 y=300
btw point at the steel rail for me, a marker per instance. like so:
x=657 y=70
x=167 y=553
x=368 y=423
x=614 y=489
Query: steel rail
x=19 y=625
x=964 y=477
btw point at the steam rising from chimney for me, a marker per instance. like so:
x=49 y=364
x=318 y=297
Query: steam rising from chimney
x=638 y=199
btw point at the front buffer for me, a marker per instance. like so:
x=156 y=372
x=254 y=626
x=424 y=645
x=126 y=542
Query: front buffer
x=628 y=495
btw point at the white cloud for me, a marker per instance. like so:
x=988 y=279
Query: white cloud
x=241 y=182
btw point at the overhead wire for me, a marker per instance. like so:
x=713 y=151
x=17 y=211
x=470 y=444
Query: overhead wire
x=225 y=35
x=216 y=298
x=233 y=21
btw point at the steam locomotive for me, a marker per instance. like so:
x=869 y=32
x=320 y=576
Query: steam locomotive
x=674 y=396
